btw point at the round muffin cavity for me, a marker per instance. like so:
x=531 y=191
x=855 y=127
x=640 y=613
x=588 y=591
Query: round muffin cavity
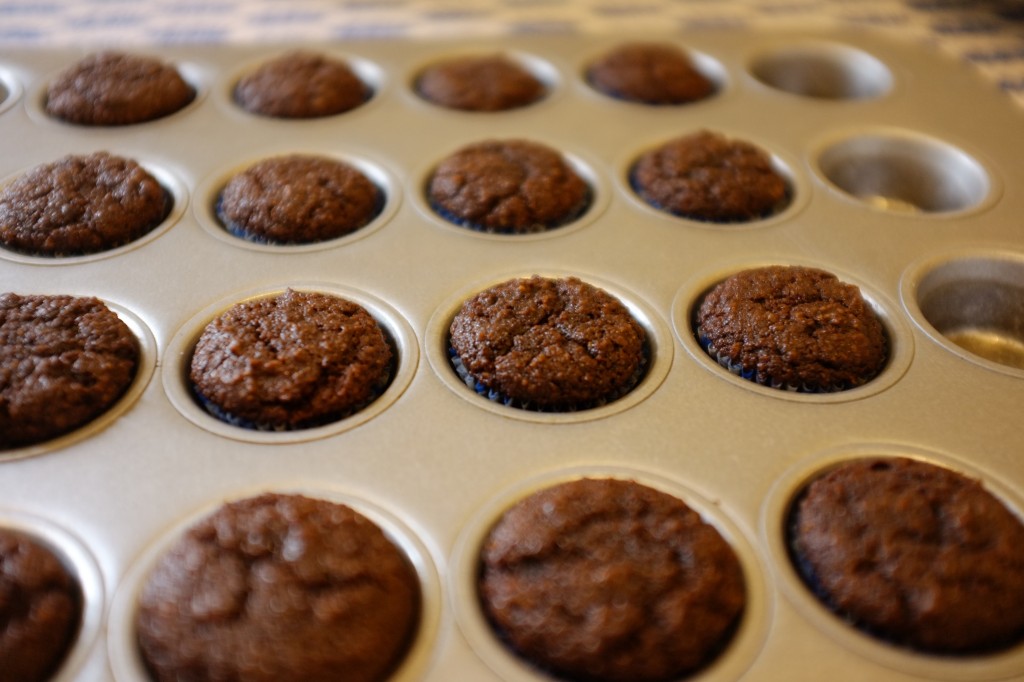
x=607 y=580
x=649 y=73
x=81 y=205
x=300 y=85
x=298 y=199
x=279 y=587
x=291 y=361
x=40 y=608
x=793 y=327
x=509 y=187
x=64 y=361
x=479 y=83
x=706 y=176
x=548 y=344
x=116 y=89
x=913 y=553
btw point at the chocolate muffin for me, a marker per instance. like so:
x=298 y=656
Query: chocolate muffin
x=705 y=176
x=913 y=553
x=64 y=361
x=649 y=73
x=81 y=205
x=301 y=85
x=116 y=89
x=511 y=187
x=291 y=361
x=480 y=83
x=40 y=609
x=548 y=344
x=793 y=327
x=298 y=200
x=607 y=580
x=279 y=587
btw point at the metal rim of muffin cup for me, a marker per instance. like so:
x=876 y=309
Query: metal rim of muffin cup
x=971 y=303
x=143 y=373
x=195 y=74
x=209 y=190
x=373 y=76
x=705 y=64
x=122 y=647
x=82 y=565
x=540 y=68
x=597 y=200
x=904 y=173
x=178 y=357
x=169 y=181
x=820 y=70
x=659 y=349
x=738 y=654
x=774 y=520
x=898 y=335
x=798 y=191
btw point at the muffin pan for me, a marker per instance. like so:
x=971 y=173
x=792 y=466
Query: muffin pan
x=903 y=166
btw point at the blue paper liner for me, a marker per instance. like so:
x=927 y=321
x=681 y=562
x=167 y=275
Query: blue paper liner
x=775 y=210
x=537 y=228
x=495 y=396
x=236 y=231
x=754 y=376
x=227 y=417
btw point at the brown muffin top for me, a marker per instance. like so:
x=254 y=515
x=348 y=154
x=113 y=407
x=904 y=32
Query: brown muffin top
x=794 y=327
x=512 y=186
x=705 y=176
x=551 y=344
x=291 y=361
x=649 y=73
x=63 y=361
x=916 y=553
x=80 y=205
x=279 y=587
x=301 y=85
x=484 y=83
x=114 y=89
x=297 y=200
x=40 y=609
x=607 y=580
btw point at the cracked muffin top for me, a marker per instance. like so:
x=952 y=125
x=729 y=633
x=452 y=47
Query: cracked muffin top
x=279 y=587
x=608 y=580
x=116 y=89
x=511 y=187
x=549 y=344
x=479 y=83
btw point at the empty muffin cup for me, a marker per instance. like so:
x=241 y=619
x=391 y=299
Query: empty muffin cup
x=823 y=71
x=975 y=304
x=901 y=172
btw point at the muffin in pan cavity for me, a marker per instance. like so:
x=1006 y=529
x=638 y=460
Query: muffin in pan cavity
x=41 y=604
x=480 y=83
x=275 y=587
x=548 y=344
x=301 y=84
x=298 y=199
x=81 y=205
x=609 y=580
x=64 y=362
x=708 y=177
x=651 y=73
x=508 y=187
x=295 y=360
x=792 y=327
x=913 y=553
x=116 y=89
